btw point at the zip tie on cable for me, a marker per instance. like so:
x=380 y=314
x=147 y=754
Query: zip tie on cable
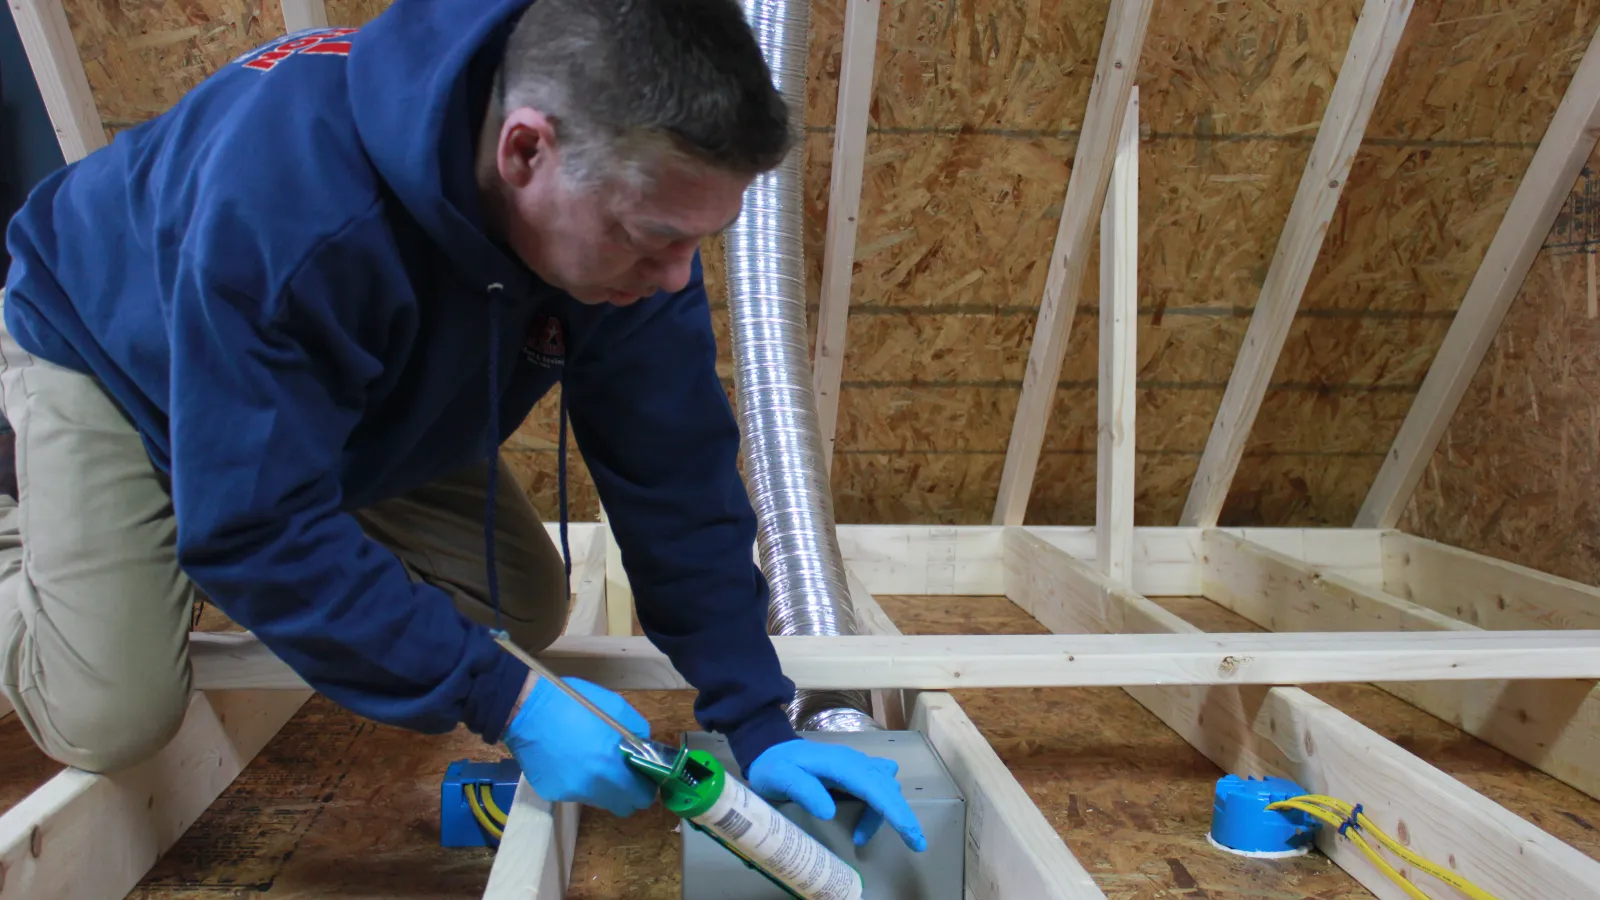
x=1350 y=821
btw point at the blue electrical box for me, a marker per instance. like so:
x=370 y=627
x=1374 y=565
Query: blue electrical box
x=1241 y=822
x=458 y=827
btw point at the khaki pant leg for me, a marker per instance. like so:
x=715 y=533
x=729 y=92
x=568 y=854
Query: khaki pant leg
x=94 y=611
x=437 y=531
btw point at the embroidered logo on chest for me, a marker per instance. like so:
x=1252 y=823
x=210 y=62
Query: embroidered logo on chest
x=328 y=42
x=546 y=342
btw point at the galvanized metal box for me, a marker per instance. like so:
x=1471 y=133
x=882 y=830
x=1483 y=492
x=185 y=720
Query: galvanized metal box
x=890 y=870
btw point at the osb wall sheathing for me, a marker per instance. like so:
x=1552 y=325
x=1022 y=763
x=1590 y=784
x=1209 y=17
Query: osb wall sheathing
x=1517 y=473
x=974 y=121
x=142 y=55
x=974 y=126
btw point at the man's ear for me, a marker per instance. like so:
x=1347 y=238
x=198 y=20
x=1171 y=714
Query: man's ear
x=527 y=142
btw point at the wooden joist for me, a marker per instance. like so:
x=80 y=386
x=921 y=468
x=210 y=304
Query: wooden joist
x=1553 y=726
x=1483 y=591
x=618 y=592
x=1120 y=47
x=1284 y=731
x=534 y=859
x=1562 y=153
x=1012 y=849
x=1119 y=356
x=1344 y=122
x=90 y=836
x=966 y=559
x=944 y=662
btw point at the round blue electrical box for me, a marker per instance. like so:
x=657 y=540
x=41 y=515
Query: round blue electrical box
x=1241 y=822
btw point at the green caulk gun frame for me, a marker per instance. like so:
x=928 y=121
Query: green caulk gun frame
x=696 y=788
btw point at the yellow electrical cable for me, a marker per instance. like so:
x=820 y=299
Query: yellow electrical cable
x=1399 y=849
x=479 y=813
x=1334 y=821
x=1339 y=813
x=486 y=795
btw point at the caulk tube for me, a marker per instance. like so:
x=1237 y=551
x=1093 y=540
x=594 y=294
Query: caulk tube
x=738 y=818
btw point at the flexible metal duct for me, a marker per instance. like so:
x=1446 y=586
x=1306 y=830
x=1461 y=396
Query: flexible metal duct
x=788 y=483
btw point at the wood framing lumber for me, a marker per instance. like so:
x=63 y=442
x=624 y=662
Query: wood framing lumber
x=1553 y=726
x=945 y=662
x=966 y=560
x=534 y=859
x=1562 y=153
x=1283 y=594
x=1487 y=592
x=88 y=836
x=1284 y=731
x=844 y=206
x=588 y=615
x=58 y=69
x=892 y=708
x=1012 y=849
x=1119 y=354
x=1114 y=77
x=1344 y=122
x=299 y=15
x=619 y=593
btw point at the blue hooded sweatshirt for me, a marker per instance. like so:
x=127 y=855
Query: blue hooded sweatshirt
x=286 y=284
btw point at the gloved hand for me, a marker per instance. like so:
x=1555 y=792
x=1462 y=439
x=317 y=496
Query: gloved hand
x=802 y=771
x=566 y=753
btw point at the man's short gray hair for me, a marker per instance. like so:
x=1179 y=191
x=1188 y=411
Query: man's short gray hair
x=628 y=80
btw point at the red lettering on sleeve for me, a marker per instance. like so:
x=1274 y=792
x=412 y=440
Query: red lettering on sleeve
x=341 y=48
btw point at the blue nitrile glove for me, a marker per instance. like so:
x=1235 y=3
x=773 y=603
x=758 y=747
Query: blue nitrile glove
x=803 y=771
x=566 y=753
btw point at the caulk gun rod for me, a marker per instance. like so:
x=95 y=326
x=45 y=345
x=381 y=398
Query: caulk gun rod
x=543 y=671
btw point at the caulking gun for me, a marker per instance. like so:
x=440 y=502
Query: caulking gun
x=697 y=788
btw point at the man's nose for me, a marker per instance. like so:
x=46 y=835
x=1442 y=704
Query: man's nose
x=675 y=266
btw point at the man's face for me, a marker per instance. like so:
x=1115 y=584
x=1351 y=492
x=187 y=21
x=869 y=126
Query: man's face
x=609 y=242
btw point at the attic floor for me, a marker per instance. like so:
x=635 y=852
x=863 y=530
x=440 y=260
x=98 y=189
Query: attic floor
x=336 y=805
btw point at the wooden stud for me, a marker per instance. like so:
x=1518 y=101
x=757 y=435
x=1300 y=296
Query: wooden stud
x=1562 y=153
x=299 y=15
x=58 y=69
x=1119 y=354
x=1120 y=47
x=844 y=207
x=1355 y=93
x=1286 y=732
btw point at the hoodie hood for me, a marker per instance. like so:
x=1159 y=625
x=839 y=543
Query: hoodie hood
x=418 y=116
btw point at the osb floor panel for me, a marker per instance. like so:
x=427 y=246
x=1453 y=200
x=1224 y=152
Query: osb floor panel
x=336 y=806
x=1564 y=812
x=1129 y=796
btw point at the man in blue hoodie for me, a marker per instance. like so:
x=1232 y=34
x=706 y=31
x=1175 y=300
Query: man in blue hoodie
x=267 y=346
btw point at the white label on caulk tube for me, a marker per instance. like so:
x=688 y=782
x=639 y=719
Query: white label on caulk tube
x=762 y=834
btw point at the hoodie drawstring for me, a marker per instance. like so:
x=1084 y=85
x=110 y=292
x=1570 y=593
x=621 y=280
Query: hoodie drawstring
x=561 y=480
x=492 y=454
